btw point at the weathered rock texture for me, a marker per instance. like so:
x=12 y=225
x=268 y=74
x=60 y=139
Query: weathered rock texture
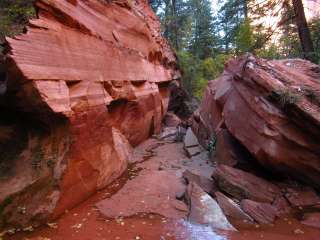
x=272 y=108
x=88 y=80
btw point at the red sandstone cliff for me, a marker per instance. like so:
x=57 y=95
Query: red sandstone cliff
x=270 y=109
x=86 y=82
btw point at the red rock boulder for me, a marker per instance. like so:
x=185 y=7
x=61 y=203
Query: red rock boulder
x=88 y=80
x=272 y=108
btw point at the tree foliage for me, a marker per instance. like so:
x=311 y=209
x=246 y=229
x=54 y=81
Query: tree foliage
x=14 y=14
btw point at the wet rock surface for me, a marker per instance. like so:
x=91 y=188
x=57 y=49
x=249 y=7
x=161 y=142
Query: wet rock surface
x=152 y=192
x=205 y=210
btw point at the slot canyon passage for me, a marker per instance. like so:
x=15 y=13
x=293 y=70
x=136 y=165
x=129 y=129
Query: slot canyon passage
x=99 y=141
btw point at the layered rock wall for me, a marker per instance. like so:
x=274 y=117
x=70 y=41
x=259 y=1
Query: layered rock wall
x=87 y=81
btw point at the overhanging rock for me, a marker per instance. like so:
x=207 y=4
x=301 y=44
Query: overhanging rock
x=88 y=80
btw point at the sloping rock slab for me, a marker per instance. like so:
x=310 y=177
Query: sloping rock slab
x=153 y=192
x=205 y=183
x=263 y=213
x=190 y=139
x=243 y=185
x=302 y=197
x=205 y=210
x=312 y=219
x=231 y=209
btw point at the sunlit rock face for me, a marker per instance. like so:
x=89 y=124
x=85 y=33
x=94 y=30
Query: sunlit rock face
x=86 y=82
x=272 y=109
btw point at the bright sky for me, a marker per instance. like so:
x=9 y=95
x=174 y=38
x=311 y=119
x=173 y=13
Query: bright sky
x=312 y=7
x=214 y=5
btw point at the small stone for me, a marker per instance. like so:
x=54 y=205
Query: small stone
x=22 y=210
x=52 y=225
x=11 y=231
x=28 y=229
x=298 y=231
x=77 y=226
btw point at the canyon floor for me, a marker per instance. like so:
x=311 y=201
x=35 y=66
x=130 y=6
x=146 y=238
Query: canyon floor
x=149 y=212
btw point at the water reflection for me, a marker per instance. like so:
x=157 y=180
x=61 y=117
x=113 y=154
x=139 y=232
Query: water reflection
x=192 y=231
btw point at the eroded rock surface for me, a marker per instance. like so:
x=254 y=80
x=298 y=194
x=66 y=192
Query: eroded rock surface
x=272 y=108
x=263 y=213
x=243 y=185
x=88 y=80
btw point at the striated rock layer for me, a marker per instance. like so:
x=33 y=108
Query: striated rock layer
x=271 y=109
x=88 y=80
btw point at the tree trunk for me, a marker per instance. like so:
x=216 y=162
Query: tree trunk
x=245 y=8
x=175 y=22
x=166 y=23
x=303 y=30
